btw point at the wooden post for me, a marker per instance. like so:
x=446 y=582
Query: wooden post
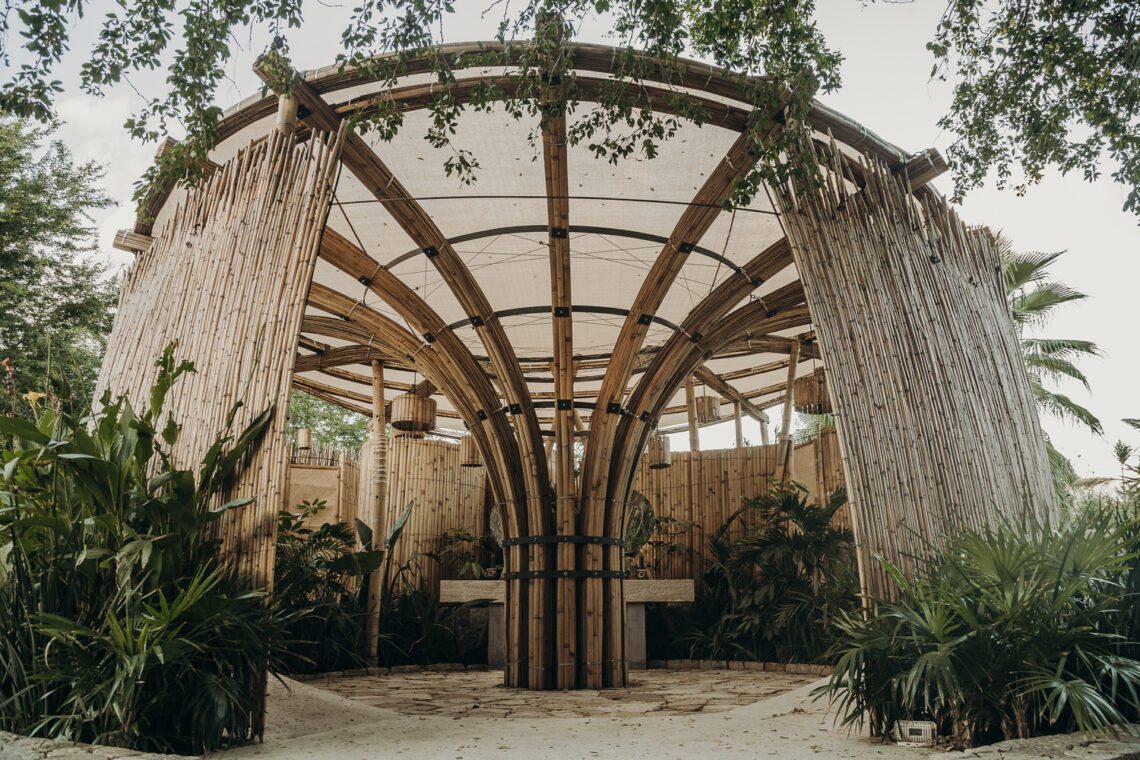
x=786 y=424
x=691 y=404
x=286 y=114
x=739 y=426
x=379 y=467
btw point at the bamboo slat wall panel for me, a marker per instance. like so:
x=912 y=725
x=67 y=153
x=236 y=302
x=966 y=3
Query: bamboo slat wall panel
x=447 y=496
x=702 y=488
x=935 y=415
x=226 y=280
x=341 y=489
x=817 y=465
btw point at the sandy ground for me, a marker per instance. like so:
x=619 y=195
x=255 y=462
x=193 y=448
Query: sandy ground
x=309 y=722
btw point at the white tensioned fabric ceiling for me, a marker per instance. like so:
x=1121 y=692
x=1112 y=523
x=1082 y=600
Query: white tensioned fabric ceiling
x=620 y=217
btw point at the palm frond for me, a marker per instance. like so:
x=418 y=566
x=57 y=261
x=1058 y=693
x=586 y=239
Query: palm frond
x=1061 y=406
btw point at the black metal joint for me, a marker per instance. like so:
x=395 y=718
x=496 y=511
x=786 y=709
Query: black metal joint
x=431 y=252
x=481 y=415
x=476 y=321
x=559 y=233
x=565 y=404
x=561 y=311
x=613 y=407
x=515 y=408
x=645 y=319
x=429 y=337
x=686 y=247
x=364 y=281
x=696 y=337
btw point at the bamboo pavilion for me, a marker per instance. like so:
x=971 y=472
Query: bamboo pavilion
x=563 y=299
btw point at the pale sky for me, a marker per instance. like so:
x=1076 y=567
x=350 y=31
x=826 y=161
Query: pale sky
x=886 y=86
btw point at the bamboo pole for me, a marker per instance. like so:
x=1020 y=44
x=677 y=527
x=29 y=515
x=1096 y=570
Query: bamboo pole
x=379 y=469
x=786 y=422
x=739 y=426
x=691 y=409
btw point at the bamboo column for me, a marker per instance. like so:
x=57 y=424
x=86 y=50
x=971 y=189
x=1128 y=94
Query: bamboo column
x=691 y=407
x=786 y=423
x=379 y=467
x=739 y=425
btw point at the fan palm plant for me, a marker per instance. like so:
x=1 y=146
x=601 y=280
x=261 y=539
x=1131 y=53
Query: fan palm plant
x=1033 y=297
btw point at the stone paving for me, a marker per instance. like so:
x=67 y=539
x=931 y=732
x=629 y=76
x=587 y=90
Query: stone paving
x=482 y=695
x=1125 y=745
x=13 y=747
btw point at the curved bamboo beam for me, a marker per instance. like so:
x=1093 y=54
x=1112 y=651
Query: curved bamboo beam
x=531 y=516
x=371 y=171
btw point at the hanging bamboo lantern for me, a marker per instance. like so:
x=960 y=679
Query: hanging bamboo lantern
x=811 y=393
x=304 y=439
x=708 y=409
x=657 y=454
x=413 y=413
x=469 y=453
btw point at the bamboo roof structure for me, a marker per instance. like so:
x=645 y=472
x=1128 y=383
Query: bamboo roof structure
x=564 y=298
x=619 y=220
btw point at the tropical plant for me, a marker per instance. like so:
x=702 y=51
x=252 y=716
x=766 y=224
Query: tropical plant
x=665 y=536
x=1010 y=631
x=462 y=554
x=780 y=577
x=1033 y=297
x=113 y=599
x=320 y=578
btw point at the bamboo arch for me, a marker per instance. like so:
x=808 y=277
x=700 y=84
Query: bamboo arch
x=860 y=292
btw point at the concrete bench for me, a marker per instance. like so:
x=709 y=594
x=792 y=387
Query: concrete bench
x=637 y=594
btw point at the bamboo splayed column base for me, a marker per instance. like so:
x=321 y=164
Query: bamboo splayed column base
x=937 y=424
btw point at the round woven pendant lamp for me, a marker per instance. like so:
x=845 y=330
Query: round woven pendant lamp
x=708 y=409
x=412 y=413
x=469 y=453
x=657 y=453
x=811 y=393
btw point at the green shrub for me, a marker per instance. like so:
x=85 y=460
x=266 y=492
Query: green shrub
x=1008 y=632
x=118 y=623
x=321 y=580
x=775 y=592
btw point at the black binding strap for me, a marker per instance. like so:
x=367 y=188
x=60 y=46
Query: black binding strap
x=523 y=540
x=540 y=574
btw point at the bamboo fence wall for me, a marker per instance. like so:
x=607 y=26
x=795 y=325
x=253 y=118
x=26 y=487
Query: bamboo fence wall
x=327 y=473
x=818 y=465
x=226 y=280
x=447 y=497
x=704 y=488
x=934 y=410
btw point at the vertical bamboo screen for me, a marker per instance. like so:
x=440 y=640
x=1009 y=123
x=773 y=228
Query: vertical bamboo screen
x=818 y=465
x=447 y=496
x=344 y=505
x=702 y=489
x=226 y=280
x=935 y=415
